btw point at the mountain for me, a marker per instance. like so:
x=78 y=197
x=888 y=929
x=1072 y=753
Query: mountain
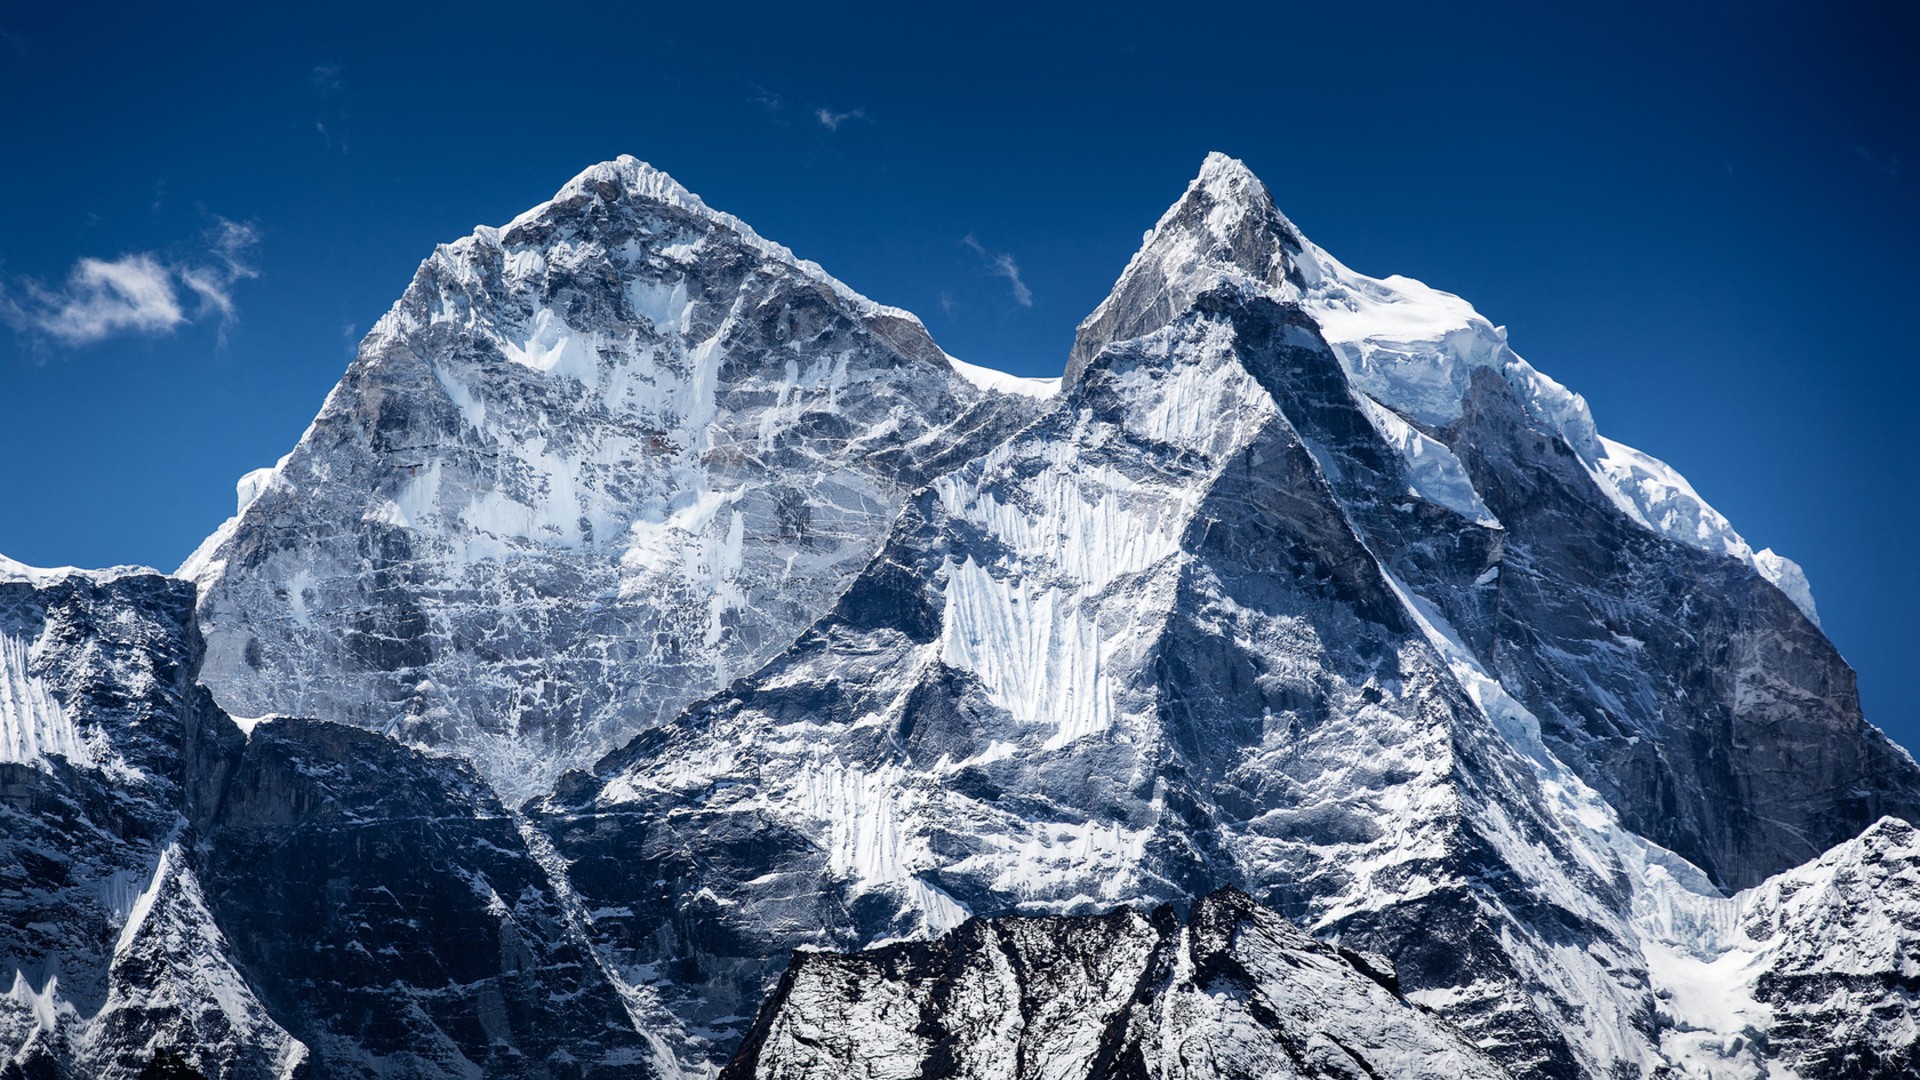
x=1255 y=604
x=658 y=660
x=393 y=917
x=594 y=465
x=1626 y=613
x=1814 y=972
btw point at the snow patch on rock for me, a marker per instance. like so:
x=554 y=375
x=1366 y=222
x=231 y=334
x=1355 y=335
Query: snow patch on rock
x=987 y=378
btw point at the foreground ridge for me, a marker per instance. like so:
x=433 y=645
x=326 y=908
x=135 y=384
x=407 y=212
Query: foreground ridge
x=1235 y=992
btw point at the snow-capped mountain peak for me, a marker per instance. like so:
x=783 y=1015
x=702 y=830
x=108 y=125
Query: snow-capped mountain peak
x=1225 y=227
x=594 y=464
x=1335 y=611
x=1410 y=348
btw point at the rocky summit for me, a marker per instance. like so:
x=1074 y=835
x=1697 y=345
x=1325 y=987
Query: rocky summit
x=659 y=660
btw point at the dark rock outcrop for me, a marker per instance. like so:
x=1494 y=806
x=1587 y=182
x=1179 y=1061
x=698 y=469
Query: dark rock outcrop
x=1237 y=993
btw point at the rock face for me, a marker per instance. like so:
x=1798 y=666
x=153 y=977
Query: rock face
x=593 y=466
x=1713 y=715
x=108 y=753
x=1302 y=584
x=1211 y=680
x=183 y=896
x=389 y=912
x=1237 y=992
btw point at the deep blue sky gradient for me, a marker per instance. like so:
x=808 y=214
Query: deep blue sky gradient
x=1702 y=217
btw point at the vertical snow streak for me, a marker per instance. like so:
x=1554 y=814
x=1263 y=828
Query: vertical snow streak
x=1082 y=524
x=45 y=1004
x=32 y=723
x=1039 y=655
x=1094 y=523
x=865 y=843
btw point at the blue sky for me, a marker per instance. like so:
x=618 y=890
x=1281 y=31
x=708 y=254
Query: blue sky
x=1702 y=217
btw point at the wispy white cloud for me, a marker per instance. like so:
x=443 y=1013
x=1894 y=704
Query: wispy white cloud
x=1889 y=164
x=137 y=295
x=326 y=84
x=232 y=242
x=832 y=120
x=133 y=294
x=216 y=295
x=1001 y=264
